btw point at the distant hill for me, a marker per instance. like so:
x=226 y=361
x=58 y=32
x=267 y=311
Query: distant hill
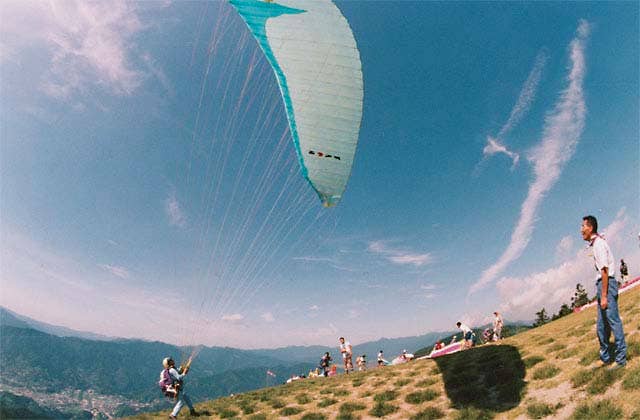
x=44 y=358
x=12 y=319
x=19 y=407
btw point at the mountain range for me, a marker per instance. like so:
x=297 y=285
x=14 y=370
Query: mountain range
x=116 y=376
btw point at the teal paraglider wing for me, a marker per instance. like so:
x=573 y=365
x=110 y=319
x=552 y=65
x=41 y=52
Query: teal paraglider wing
x=317 y=64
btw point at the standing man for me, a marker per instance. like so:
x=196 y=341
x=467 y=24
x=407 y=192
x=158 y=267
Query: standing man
x=607 y=286
x=498 y=323
x=177 y=379
x=347 y=354
x=624 y=271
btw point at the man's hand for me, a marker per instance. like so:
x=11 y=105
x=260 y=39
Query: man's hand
x=603 y=302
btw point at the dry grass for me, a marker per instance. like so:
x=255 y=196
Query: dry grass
x=558 y=378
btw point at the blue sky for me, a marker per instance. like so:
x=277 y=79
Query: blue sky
x=149 y=187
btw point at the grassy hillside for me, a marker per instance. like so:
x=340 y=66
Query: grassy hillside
x=551 y=371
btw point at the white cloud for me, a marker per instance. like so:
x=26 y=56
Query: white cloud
x=314 y=307
x=88 y=43
x=527 y=95
x=268 y=317
x=521 y=297
x=398 y=256
x=564 y=247
x=495 y=144
x=117 y=271
x=562 y=131
x=232 y=317
x=174 y=211
x=428 y=287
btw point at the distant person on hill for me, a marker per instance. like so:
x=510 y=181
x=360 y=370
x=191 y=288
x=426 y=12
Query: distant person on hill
x=325 y=363
x=469 y=335
x=624 y=271
x=361 y=361
x=607 y=294
x=347 y=354
x=172 y=383
x=498 y=323
x=381 y=358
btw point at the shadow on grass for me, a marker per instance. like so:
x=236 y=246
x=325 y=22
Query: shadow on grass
x=488 y=377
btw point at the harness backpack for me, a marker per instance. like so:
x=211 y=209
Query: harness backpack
x=168 y=385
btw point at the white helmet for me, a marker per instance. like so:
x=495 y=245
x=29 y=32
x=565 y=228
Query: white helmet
x=167 y=361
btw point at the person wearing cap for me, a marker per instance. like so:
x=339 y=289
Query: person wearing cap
x=178 y=378
x=607 y=293
x=347 y=354
x=498 y=323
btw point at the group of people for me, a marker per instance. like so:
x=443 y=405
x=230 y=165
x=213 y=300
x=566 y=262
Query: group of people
x=608 y=321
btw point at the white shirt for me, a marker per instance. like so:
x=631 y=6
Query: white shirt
x=602 y=256
x=345 y=348
x=464 y=328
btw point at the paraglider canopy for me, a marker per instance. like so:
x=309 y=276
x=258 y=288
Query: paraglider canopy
x=314 y=56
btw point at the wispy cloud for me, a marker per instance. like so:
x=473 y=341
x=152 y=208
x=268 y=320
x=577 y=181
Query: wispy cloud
x=564 y=247
x=88 y=43
x=400 y=256
x=314 y=308
x=268 y=317
x=117 y=271
x=232 y=317
x=523 y=296
x=561 y=133
x=174 y=211
x=494 y=146
x=527 y=95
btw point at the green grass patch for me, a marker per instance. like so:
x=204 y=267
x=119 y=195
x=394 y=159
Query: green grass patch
x=421 y=396
x=357 y=382
x=635 y=415
x=327 y=402
x=382 y=409
x=303 y=399
x=313 y=416
x=531 y=361
x=426 y=382
x=434 y=370
x=633 y=349
x=341 y=392
x=556 y=347
x=227 y=413
x=581 y=377
x=402 y=382
x=247 y=408
x=537 y=410
x=258 y=416
x=590 y=357
x=290 y=411
x=350 y=407
x=545 y=372
x=631 y=379
x=384 y=396
x=604 y=409
x=579 y=332
x=545 y=340
x=471 y=413
x=277 y=403
x=326 y=391
x=570 y=352
x=429 y=413
x=602 y=380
